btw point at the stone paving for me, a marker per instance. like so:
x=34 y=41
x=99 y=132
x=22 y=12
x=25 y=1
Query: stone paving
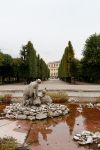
x=10 y=128
x=53 y=84
x=87 y=90
x=20 y=129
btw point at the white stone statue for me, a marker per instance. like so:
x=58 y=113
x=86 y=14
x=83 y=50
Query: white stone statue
x=45 y=99
x=30 y=93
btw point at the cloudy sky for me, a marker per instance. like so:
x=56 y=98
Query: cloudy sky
x=49 y=24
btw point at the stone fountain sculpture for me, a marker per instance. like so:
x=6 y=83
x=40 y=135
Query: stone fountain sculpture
x=35 y=107
x=30 y=95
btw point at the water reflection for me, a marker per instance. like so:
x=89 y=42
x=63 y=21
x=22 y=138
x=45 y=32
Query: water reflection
x=43 y=128
x=57 y=133
x=70 y=120
x=92 y=119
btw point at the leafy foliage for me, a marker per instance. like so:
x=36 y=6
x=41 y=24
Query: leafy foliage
x=5 y=99
x=28 y=55
x=26 y=68
x=91 y=59
x=8 y=143
x=58 y=97
x=68 y=65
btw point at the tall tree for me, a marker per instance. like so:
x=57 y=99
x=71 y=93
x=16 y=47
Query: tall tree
x=65 y=71
x=26 y=68
x=16 y=69
x=38 y=66
x=91 y=59
x=29 y=58
x=6 y=67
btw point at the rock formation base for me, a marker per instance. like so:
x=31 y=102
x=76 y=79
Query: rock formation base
x=17 y=111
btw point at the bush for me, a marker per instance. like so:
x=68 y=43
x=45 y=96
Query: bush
x=8 y=143
x=6 y=99
x=1 y=108
x=58 y=97
x=1 y=98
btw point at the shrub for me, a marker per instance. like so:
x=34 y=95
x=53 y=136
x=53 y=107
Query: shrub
x=8 y=143
x=1 y=98
x=1 y=108
x=98 y=100
x=6 y=99
x=58 y=97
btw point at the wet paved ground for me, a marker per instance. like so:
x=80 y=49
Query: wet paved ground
x=56 y=133
x=52 y=85
x=55 y=85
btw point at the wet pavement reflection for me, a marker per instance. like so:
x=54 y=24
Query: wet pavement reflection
x=57 y=133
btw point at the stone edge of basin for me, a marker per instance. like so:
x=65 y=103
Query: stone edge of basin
x=51 y=90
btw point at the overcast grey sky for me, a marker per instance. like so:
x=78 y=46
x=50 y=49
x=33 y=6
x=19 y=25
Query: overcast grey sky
x=49 y=24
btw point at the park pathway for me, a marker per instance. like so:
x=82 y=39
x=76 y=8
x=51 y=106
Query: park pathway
x=86 y=90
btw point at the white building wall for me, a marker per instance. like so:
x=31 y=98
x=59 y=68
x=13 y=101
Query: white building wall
x=53 y=66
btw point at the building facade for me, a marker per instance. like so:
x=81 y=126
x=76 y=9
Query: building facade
x=53 y=66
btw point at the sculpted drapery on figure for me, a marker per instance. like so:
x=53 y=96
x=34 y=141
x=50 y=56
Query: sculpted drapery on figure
x=30 y=95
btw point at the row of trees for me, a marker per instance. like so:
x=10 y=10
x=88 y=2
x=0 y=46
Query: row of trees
x=69 y=66
x=26 y=68
x=88 y=68
x=91 y=59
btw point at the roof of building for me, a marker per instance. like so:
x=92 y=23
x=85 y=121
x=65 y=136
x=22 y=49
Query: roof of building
x=54 y=62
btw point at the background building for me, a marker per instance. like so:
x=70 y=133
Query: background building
x=53 y=66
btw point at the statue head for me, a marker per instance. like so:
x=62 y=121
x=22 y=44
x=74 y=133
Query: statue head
x=38 y=81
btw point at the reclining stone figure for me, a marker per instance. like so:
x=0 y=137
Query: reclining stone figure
x=45 y=99
x=30 y=94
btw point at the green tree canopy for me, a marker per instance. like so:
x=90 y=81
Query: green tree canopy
x=32 y=65
x=65 y=71
x=26 y=68
x=28 y=56
x=91 y=59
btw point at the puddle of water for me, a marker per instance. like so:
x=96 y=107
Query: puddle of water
x=56 y=133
